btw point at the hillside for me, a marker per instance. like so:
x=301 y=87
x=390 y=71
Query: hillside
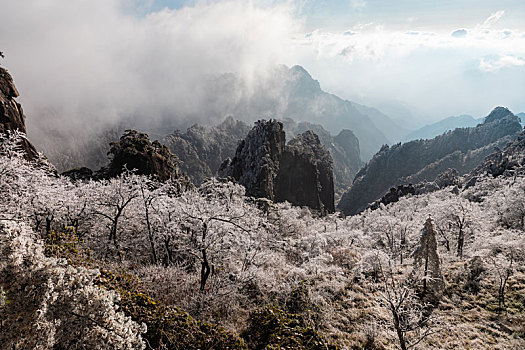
x=216 y=267
x=424 y=159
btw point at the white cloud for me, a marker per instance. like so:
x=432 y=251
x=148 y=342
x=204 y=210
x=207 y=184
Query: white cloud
x=495 y=64
x=92 y=61
x=493 y=19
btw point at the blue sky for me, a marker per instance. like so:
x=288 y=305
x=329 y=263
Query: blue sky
x=395 y=13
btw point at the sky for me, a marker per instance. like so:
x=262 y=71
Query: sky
x=417 y=61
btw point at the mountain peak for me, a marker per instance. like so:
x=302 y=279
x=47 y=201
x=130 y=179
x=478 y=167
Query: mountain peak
x=497 y=114
x=302 y=82
x=301 y=70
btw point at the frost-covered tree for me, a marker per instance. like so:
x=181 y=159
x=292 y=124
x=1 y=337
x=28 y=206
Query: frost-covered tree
x=48 y=304
x=426 y=261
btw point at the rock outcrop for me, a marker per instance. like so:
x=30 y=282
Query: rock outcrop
x=344 y=149
x=423 y=160
x=305 y=174
x=300 y=172
x=507 y=162
x=11 y=114
x=136 y=152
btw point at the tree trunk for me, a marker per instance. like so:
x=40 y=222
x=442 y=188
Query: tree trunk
x=399 y=331
x=205 y=270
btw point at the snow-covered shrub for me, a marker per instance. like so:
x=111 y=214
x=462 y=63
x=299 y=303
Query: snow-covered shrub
x=48 y=303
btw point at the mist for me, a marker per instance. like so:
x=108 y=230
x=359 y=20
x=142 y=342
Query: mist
x=85 y=65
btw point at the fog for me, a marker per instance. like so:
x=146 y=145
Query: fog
x=86 y=64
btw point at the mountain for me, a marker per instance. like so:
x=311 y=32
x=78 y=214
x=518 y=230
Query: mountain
x=293 y=93
x=299 y=172
x=432 y=130
x=420 y=160
x=202 y=149
x=304 y=100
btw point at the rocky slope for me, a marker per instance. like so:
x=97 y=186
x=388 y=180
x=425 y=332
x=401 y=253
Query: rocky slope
x=423 y=159
x=11 y=114
x=202 y=149
x=507 y=162
x=300 y=172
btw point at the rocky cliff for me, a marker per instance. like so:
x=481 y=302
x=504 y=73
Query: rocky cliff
x=300 y=172
x=424 y=159
x=305 y=174
x=507 y=162
x=11 y=114
x=136 y=152
x=344 y=149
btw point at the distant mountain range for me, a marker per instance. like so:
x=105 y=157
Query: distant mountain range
x=463 y=121
x=420 y=160
x=432 y=130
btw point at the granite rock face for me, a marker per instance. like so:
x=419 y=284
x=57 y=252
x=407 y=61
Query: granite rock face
x=256 y=161
x=11 y=114
x=305 y=174
x=422 y=160
x=300 y=172
x=344 y=149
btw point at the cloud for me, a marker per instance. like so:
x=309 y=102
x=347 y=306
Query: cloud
x=493 y=19
x=86 y=62
x=459 y=33
x=494 y=64
x=93 y=61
